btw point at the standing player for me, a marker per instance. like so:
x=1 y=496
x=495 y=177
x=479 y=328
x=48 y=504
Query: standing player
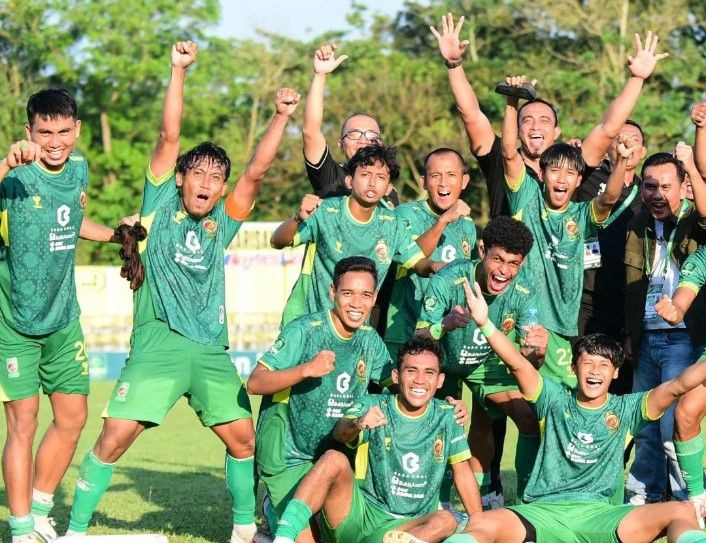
x=346 y=226
x=403 y=445
x=180 y=331
x=442 y=227
x=581 y=454
x=506 y=243
x=43 y=185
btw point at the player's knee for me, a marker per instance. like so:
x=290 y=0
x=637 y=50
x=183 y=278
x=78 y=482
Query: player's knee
x=112 y=443
x=71 y=425
x=335 y=461
x=446 y=521
x=21 y=423
x=687 y=420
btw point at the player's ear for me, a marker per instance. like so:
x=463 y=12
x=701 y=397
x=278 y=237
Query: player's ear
x=557 y=133
x=396 y=376
x=615 y=373
x=440 y=382
x=465 y=180
x=179 y=179
x=348 y=181
x=332 y=292
x=78 y=127
x=224 y=188
x=389 y=188
x=423 y=182
x=481 y=248
x=28 y=132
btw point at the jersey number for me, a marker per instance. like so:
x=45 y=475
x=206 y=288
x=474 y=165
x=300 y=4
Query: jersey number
x=81 y=357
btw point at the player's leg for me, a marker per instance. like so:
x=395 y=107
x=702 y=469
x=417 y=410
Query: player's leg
x=676 y=520
x=689 y=443
x=496 y=526
x=482 y=445
x=431 y=528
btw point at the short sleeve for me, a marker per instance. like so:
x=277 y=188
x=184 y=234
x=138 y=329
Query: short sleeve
x=382 y=364
x=458 y=444
x=287 y=350
x=326 y=177
x=308 y=230
x=436 y=301
x=546 y=394
x=522 y=193
x=693 y=271
x=230 y=225
x=156 y=190
x=491 y=164
x=637 y=407
x=407 y=253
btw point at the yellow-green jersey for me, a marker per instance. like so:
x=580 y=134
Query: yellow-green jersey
x=333 y=234
x=581 y=451
x=693 y=271
x=457 y=242
x=40 y=218
x=184 y=265
x=555 y=264
x=310 y=409
x=400 y=466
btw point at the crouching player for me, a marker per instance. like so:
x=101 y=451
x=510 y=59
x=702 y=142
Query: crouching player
x=403 y=444
x=580 y=459
x=180 y=332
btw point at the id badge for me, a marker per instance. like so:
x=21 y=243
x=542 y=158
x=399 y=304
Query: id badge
x=591 y=254
x=654 y=293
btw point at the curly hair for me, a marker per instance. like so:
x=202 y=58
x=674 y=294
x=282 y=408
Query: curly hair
x=508 y=233
x=375 y=154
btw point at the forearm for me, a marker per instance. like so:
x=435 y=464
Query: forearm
x=284 y=235
x=95 y=232
x=522 y=370
x=478 y=128
x=467 y=487
x=266 y=150
x=614 y=186
x=263 y=381
x=512 y=160
x=430 y=239
x=699 y=189
x=173 y=106
x=700 y=150
x=314 y=110
x=346 y=430
x=426 y=267
x=661 y=397
x=4 y=169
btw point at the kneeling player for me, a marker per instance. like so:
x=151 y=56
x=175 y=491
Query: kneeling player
x=580 y=459
x=404 y=442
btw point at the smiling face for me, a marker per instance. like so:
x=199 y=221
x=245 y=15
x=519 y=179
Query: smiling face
x=444 y=180
x=369 y=184
x=57 y=137
x=537 y=129
x=560 y=182
x=358 y=131
x=594 y=373
x=661 y=191
x=353 y=300
x=201 y=187
x=419 y=377
x=498 y=268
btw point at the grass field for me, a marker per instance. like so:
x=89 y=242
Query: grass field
x=171 y=481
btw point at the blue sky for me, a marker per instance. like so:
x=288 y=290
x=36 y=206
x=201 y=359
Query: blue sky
x=295 y=18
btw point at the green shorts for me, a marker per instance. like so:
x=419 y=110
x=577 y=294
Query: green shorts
x=163 y=366
x=481 y=392
x=557 y=361
x=577 y=522
x=366 y=522
x=56 y=362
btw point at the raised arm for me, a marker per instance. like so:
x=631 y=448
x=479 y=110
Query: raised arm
x=664 y=395
x=685 y=155
x=265 y=381
x=698 y=117
x=242 y=197
x=429 y=240
x=513 y=163
x=604 y=202
x=641 y=66
x=283 y=236
x=314 y=141
x=478 y=128
x=166 y=151
x=522 y=370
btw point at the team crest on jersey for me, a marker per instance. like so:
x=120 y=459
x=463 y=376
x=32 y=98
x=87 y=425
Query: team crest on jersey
x=37 y=201
x=210 y=225
x=121 y=394
x=277 y=346
x=466 y=248
x=572 y=228
x=83 y=199
x=430 y=303
x=382 y=250
x=360 y=368
x=612 y=422
x=508 y=323
x=13 y=367
x=179 y=216
x=387 y=442
x=439 y=448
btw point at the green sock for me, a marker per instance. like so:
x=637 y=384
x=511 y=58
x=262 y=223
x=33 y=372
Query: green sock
x=483 y=480
x=240 y=482
x=690 y=455
x=93 y=480
x=446 y=483
x=692 y=536
x=525 y=455
x=21 y=525
x=461 y=538
x=294 y=519
x=42 y=502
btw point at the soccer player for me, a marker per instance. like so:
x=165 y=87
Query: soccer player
x=442 y=225
x=43 y=185
x=404 y=442
x=180 y=332
x=349 y=225
x=580 y=459
x=559 y=227
x=468 y=357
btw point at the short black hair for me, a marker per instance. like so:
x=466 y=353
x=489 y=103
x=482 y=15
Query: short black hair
x=420 y=344
x=51 y=103
x=343 y=126
x=539 y=101
x=562 y=153
x=444 y=151
x=599 y=345
x=639 y=128
x=375 y=154
x=206 y=150
x=354 y=264
x=658 y=159
x=509 y=234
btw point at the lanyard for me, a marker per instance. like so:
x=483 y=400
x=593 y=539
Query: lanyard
x=670 y=243
x=626 y=203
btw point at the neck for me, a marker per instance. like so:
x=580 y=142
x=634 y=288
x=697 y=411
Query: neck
x=338 y=325
x=591 y=403
x=360 y=212
x=530 y=162
x=409 y=410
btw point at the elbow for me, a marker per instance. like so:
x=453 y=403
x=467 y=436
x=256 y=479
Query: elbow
x=252 y=387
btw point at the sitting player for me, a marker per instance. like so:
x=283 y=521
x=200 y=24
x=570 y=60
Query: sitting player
x=180 y=332
x=580 y=462
x=403 y=445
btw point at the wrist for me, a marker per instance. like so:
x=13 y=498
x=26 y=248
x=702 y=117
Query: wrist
x=437 y=330
x=451 y=64
x=487 y=328
x=359 y=424
x=297 y=219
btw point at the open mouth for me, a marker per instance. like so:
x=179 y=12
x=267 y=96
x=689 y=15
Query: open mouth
x=370 y=194
x=658 y=206
x=418 y=392
x=202 y=197
x=54 y=154
x=594 y=383
x=355 y=315
x=536 y=138
x=498 y=282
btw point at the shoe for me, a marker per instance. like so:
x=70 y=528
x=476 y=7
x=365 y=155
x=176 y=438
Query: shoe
x=44 y=528
x=398 y=536
x=492 y=500
x=26 y=538
x=243 y=533
x=71 y=533
x=699 y=503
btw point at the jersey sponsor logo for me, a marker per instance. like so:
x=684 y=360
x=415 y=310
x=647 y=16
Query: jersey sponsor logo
x=410 y=463
x=63 y=215
x=192 y=241
x=121 y=394
x=13 y=367
x=83 y=199
x=277 y=346
x=552 y=253
x=479 y=338
x=37 y=201
x=210 y=225
x=448 y=254
x=572 y=228
x=430 y=303
x=439 y=448
x=585 y=438
x=343 y=383
x=179 y=216
x=382 y=251
x=466 y=247
x=612 y=422
x=508 y=323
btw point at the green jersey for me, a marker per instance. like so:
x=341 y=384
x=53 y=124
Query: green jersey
x=693 y=271
x=457 y=242
x=581 y=452
x=400 y=466
x=314 y=405
x=333 y=234
x=467 y=354
x=40 y=218
x=555 y=263
x=183 y=258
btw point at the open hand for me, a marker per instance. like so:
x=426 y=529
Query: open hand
x=643 y=63
x=450 y=47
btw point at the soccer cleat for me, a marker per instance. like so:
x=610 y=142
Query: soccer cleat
x=44 y=528
x=699 y=503
x=243 y=533
x=71 y=533
x=26 y=538
x=492 y=500
x=398 y=536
